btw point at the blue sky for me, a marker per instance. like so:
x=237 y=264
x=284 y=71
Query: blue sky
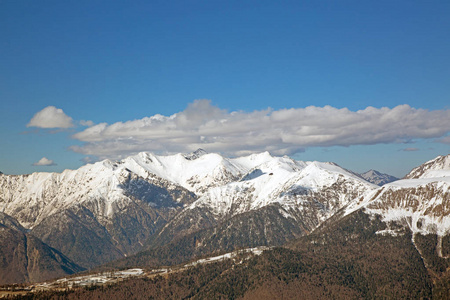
x=119 y=61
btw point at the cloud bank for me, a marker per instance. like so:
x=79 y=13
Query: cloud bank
x=51 y=117
x=284 y=131
x=44 y=162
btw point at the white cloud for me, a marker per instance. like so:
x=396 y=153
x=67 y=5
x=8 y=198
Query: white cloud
x=285 y=131
x=51 y=117
x=44 y=162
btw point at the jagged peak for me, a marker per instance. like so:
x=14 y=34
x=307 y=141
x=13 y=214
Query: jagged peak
x=196 y=154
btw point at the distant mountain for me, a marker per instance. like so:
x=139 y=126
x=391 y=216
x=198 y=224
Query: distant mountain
x=24 y=258
x=378 y=178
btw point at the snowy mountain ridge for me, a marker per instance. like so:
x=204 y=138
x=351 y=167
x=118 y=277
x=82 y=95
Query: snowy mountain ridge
x=421 y=201
x=108 y=187
x=282 y=181
x=437 y=167
x=30 y=198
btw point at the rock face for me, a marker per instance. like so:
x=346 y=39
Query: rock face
x=24 y=258
x=378 y=178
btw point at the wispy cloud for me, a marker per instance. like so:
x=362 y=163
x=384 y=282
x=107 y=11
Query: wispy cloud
x=51 y=117
x=88 y=160
x=285 y=131
x=85 y=123
x=444 y=140
x=44 y=162
x=410 y=149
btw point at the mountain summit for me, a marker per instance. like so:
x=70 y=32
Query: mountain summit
x=378 y=178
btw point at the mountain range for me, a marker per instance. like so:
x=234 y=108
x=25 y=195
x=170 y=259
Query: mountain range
x=148 y=210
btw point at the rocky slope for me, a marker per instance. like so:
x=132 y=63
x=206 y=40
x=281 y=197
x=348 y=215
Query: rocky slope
x=346 y=259
x=24 y=258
